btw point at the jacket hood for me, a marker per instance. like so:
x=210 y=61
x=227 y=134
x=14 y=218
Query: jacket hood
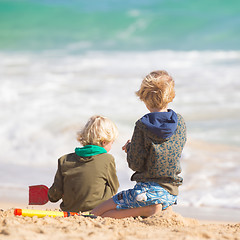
x=89 y=150
x=163 y=124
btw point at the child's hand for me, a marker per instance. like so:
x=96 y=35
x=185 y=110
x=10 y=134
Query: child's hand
x=124 y=148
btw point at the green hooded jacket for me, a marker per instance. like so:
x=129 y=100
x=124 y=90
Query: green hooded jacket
x=84 y=179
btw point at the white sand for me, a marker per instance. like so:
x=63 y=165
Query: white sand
x=167 y=225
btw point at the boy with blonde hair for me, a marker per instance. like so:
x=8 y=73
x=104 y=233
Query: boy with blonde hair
x=87 y=177
x=153 y=153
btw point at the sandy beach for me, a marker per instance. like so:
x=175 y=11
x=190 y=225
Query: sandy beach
x=167 y=225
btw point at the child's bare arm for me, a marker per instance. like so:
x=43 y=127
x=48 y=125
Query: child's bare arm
x=124 y=148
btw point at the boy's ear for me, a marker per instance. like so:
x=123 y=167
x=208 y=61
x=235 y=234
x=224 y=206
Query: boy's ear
x=104 y=142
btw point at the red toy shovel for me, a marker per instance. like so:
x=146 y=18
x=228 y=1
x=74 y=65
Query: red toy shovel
x=38 y=195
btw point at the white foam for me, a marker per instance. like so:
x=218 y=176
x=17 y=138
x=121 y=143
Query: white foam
x=45 y=98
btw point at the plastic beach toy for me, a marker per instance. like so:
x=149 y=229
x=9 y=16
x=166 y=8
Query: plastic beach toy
x=41 y=213
x=38 y=195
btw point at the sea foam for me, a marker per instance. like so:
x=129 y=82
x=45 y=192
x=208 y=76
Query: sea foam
x=47 y=97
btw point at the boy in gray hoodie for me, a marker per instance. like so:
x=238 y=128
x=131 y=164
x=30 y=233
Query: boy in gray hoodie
x=153 y=153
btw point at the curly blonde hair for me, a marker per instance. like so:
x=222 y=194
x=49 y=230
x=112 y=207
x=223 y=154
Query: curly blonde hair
x=157 y=90
x=97 y=130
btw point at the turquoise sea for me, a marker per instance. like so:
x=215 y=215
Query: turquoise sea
x=119 y=25
x=63 y=61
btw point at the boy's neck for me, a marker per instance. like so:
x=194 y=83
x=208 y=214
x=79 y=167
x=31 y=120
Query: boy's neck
x=157 y=109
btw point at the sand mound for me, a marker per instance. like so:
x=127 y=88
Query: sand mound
x=169 y=219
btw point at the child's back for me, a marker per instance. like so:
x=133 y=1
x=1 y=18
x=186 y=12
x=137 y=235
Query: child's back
x=155 y=149
x=84 y=181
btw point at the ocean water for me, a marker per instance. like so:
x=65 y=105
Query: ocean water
x=123 y=25
x=62 y=62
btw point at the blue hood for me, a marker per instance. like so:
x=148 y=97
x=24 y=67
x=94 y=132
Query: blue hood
x=163 y=124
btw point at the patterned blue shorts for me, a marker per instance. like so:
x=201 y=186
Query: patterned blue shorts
x=144 y=194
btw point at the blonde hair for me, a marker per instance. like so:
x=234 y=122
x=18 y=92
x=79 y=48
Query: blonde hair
x=157 y=90
x=97 y=130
